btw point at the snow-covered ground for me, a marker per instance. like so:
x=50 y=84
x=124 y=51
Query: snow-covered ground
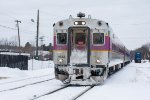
x=36 y=68
x=130 y=83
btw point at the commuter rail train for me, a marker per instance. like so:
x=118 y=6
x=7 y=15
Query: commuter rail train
x=86 y=51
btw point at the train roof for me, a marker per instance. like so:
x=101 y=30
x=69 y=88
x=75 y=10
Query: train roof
x=81 y=22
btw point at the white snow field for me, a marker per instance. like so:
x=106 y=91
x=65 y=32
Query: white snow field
x=130 y=83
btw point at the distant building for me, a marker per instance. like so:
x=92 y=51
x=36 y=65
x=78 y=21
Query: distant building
x=44 y=55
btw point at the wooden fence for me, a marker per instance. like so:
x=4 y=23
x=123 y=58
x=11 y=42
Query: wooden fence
x=14 y=61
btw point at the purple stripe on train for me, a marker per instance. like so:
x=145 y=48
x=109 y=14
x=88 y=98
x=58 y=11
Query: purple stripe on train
x=59 y=47
x=106 y=46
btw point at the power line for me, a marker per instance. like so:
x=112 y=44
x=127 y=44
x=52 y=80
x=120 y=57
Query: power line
x=12 y=17
x=7 y=27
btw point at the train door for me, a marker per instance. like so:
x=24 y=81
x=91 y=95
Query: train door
x=79 y=46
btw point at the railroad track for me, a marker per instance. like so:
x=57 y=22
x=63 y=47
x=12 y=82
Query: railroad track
x=82 y=93
x=62 y=88
x=24 y=79
x=26 y=85
x=48 y=93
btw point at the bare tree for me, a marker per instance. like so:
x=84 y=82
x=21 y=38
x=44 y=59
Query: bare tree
x=8 y=44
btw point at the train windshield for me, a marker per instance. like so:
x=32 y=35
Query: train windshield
x=98 y=38
x=80 y=38
x=61 y=38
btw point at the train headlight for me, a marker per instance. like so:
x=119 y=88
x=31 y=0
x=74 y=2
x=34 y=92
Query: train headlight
x=60 y=60
x=79 y=23
x=98 y=61
x=83 y=23
x=76 y=23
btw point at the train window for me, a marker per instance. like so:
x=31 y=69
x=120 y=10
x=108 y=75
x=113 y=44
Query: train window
x=61 y=38
x=98 y=38
x=80 y=38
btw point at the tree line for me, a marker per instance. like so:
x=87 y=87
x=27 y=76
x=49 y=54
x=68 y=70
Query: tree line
x=145 y=51
x=12 y=46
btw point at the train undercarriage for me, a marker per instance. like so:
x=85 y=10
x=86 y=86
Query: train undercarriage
x=86 y=75
x=81 y=76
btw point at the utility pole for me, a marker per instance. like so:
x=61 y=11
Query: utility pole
x=18 y=33
x=37 y=37
x=42 y=39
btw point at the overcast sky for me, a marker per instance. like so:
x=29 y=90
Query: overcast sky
x=129 y=19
